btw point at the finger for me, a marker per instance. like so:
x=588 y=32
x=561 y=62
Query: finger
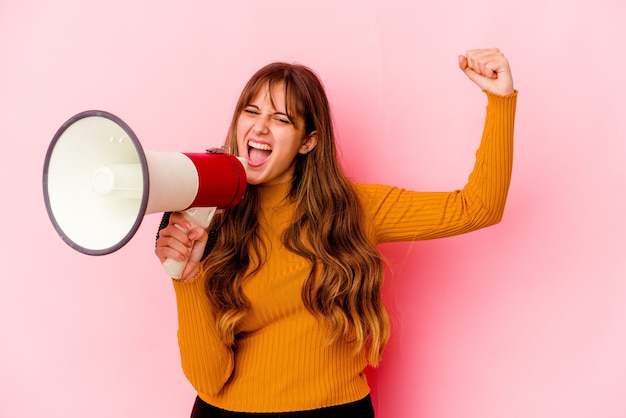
x=489 y=69
x=169 y=247
x=487 y=62
x=174 y=233
x=462 y=62
x=493 y=65
x=178 y=219
x=490 y=72
x=465 y=66
x=198 y=234
x=175 y=242
x=200 y=237
x=197 y=251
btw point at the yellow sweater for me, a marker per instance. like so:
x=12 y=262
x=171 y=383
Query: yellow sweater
x=281 y=362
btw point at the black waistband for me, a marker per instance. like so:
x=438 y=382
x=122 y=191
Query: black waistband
x=358 y=409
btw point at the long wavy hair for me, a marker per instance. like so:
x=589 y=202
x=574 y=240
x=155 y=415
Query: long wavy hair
x=344 y=283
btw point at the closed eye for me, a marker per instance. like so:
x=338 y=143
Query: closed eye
x=282 y=118
x=251 y=111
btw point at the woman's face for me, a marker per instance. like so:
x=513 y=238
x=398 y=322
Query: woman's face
x=269 y=140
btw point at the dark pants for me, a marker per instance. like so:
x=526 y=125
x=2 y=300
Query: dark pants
x=358 y=409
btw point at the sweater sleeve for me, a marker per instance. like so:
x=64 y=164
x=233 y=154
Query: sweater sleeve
x=206 y=361
x=396 y=214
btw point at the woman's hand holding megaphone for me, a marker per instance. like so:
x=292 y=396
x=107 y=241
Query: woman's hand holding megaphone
x=181 y=242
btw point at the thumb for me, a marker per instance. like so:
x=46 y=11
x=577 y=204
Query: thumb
x=482 y=81
x=462 y=62
x=464 y=66
x=199 y=237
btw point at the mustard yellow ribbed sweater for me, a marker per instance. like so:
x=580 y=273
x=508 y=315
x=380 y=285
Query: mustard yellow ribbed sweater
x=281 y=362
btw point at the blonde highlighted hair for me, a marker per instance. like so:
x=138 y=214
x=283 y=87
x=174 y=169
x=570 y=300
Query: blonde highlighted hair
x=344 y=283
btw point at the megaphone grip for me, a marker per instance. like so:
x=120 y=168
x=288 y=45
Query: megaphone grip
x=200 y=216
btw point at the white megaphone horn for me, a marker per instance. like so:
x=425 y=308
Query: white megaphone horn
x=99 y=183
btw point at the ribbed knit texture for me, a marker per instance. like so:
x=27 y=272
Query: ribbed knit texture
x=282 y=361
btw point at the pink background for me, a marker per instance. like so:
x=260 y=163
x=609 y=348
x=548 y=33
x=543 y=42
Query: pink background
x=525 y=319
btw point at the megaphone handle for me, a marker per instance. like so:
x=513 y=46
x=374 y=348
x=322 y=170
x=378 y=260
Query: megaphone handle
x=197 y=217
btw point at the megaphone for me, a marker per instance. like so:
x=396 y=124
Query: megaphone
x=99 y=183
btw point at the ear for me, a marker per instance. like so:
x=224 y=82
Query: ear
x=310 y=141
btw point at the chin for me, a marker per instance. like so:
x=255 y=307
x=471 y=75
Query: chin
x=254 y=181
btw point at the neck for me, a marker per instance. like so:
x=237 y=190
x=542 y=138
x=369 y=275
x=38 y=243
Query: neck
x=274 y=194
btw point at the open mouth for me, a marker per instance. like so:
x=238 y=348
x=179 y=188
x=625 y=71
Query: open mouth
x=258 y=153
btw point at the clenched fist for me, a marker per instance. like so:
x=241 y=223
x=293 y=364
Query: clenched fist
x=489 y=69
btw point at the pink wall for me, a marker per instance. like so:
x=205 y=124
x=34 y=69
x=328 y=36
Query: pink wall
x=526 y=319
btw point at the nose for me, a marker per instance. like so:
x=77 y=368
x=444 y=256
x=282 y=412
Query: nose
x=261 y=125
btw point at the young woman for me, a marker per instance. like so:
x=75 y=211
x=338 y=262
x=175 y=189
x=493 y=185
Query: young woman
x=285 y=312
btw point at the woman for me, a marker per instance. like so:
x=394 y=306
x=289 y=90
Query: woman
x=285 y=312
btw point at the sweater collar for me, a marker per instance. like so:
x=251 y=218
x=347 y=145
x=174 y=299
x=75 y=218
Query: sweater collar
x=273 y=195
